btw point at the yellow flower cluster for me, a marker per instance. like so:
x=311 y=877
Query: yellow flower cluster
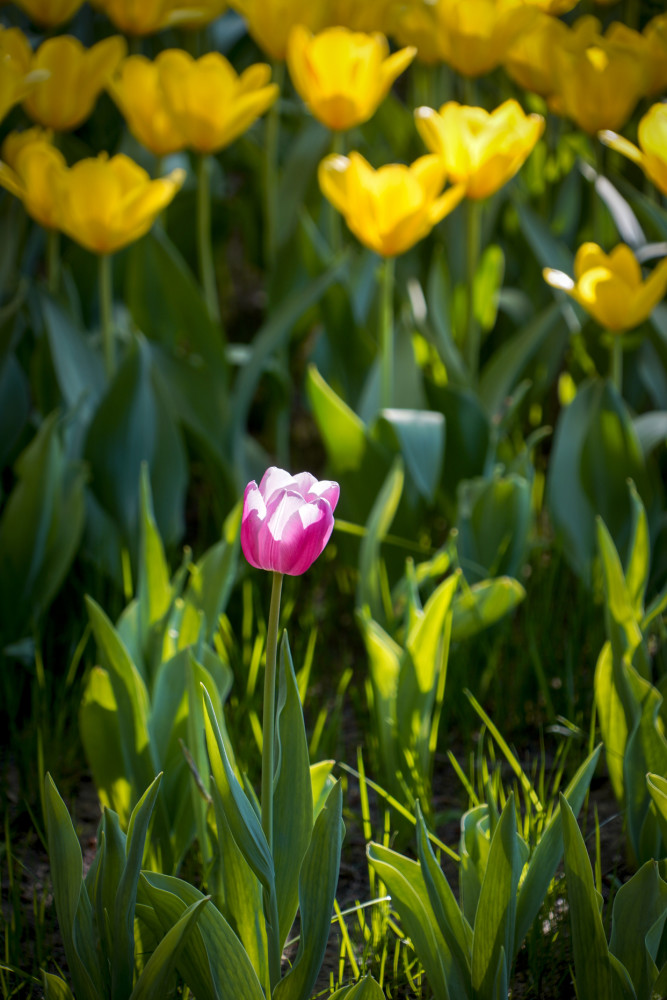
x=104 y=204
x=145 y=17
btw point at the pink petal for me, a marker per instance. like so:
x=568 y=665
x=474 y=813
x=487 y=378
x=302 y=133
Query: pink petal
x=274 y=479
x=304 y=483
x=304 y=536
x=254 y=513
x=326 y=489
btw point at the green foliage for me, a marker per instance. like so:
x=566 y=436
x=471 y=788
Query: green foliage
x=141 y=709
x=629 y=703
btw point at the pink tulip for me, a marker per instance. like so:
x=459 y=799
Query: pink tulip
x=287 y=520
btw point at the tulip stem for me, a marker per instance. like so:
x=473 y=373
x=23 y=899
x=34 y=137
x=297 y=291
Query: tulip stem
x=616 y=367
x=387 y=333
x=269 y=711
x=106 y=313
x=53 y=260
x=204 y=238
x=473 y=239
x=271 y=170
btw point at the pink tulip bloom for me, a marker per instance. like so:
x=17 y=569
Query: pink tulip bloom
x=287 y=520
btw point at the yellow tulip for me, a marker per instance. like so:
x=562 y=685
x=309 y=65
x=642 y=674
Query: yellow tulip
x=480 y=150
x=598 y=79
x=610 y=287
x=137 y=91
x=145 y=17
x=652 y=154
x=415 y=22
x=343 y=75
x=31 y=168
x=390 y=209
x=553 y=7
x=209 y=103
x=655 y=33
x=474 y=36
x=50 y=13
x=270 y=21
x=75 y=78
x=108 y=203
x=530 y=59
x=371 y=15
x=16 y=77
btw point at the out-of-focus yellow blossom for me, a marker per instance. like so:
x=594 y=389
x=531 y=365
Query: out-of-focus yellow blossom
x=208 y=101
x=270 y=21
x=554 y=7
x=31 y=168
x=371 y=15
x=530 y=60
x=75 y=78
x=474 y=36
x=390 y=209
x=50 y=13
x=480 y=150
x=342 y=75
x=145 y=17
x=16 y=79
x=655 y=33
x=598 y=80
x=108 y=203
x=610 y=287
x=137 y=91
x=652 y=154
x=415 y=22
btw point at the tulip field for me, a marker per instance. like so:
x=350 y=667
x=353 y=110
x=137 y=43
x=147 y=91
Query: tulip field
x=333 y=538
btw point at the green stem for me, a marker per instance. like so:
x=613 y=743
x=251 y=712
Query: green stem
x=269 y=711
x=469 y=89
x=271 y=170
x=387 y=333
x=53 y=260
x=598 y=205
x=473 y=240
x=204 y=240
x=106 y=313
x=616 y=365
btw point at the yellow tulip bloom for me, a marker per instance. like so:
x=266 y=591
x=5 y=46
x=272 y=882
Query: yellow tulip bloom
x=137 y=91
x=209 y=103
x=390 y=209
x=415 y=22
x=31 y=168
x=652 y=154
x=598 y=79
x=655 y=33
x=145 y=17
x=371 y=15
x=16 y=77
x=50 y=13
x=108 y=203
x=553 y=7
x=610 y=287
x=75 y=78
x=480 y=150
x=474 y=36
x=530 y=60
x=342 y=75
x=270 y=21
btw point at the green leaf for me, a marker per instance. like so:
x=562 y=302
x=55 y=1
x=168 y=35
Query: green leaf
x=474 y=845
x=78 y=367
x=384 y=660
x=369 y=590
x=343 y=432
x=453 y=926
x=468 y=435
x=640 y=910
x=73 y=907
x=318 y=879
x=639 y=554
x=595 y=977
x=657 y=787
x=487 y=283
x=214 y=965
x=482 y=605
x=614 y=723
x=212 y=578
x=154 y=980
x=365 y=989
x=292 y=797
x=651 y=430
x=419 y=436
x=494 y=519
x=495 y=918
x=154 y=594
x=548 y=852
x=102 y=740
x=409 y=897
x=122 y=967
x=55 y=988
